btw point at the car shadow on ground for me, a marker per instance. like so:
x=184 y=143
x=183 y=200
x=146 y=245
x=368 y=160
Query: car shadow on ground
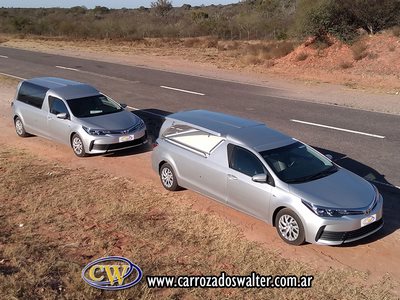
x=391 y=194
x=153 y=118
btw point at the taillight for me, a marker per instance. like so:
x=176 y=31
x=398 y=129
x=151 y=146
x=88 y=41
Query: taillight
x=155 y=144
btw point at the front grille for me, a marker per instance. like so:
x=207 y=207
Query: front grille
x=134 y=128
x=365 y=210
x=118 y=146
x=349 y=235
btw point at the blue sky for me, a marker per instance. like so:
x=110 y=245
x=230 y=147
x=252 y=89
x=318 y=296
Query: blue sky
x=109 y=3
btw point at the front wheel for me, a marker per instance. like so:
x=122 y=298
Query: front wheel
x=19 y=127
x=289 y=227
x=77 y=146
x=168 y=178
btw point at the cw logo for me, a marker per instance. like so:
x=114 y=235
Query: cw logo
x=112 y=275
x=105 y=274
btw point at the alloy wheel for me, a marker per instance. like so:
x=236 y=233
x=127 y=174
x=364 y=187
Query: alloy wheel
x=77 y=145
x=167 y=177
x=288 y=227
x=19 y=127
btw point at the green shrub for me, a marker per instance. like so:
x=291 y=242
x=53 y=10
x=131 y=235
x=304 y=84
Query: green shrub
x=343 y=18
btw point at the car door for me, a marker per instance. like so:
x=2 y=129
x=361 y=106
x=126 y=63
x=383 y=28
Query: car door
x=59 y=129
x=243 y=193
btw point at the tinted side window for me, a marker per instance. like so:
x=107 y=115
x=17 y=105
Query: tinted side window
x=57 y=106
x=32 y=94
x=244 y=161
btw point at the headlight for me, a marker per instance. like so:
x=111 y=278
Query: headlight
x=325 y=211
x=96 y=131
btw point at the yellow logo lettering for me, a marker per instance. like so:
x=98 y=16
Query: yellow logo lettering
x=114 y=274
x=92 y=272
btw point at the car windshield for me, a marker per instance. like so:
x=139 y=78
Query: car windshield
x=93 y=106
x=298 y=163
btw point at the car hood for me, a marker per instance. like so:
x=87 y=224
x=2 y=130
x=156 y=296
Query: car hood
x=115 y=121
x=342 y=189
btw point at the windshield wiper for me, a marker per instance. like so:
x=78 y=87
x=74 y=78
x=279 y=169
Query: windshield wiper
x=324 y=173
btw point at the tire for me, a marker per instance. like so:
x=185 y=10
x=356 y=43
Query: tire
x=77 y=146
x=20 y=128
x=289 y=227
x=168 y=178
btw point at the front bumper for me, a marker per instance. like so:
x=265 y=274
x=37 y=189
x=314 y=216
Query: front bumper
x=111 y=143
x=336 y=231
x=339 y=237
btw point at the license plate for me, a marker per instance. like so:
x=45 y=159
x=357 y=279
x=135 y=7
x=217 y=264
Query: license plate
x=368 y=220
x=126 y=138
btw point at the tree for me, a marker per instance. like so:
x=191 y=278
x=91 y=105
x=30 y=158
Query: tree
x=374 y=15
x=322 y=17
x=343 y=18
x=161 y=7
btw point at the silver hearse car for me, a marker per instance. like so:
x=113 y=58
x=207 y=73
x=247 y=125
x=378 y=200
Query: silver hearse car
x=267 y=174
x=75 y=114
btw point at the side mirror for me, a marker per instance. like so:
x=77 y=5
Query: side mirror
x=123 y=105
x=328 y=156
x=261 y=178
x=62 y=116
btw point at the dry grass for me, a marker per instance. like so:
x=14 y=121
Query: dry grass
x=302 y=56
x=3 y=40
x=258 y=53
x=359 y=50
x=54 y=220
x=321 y=42
x=392 y=48
x=345 y=64
x=205 y=42
x=396 y=31
x=228 y=45
x=7 y=80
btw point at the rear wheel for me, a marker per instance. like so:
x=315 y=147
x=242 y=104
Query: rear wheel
x=168 y=178
x=19 y=127
x=77 y=146
x=289 y=227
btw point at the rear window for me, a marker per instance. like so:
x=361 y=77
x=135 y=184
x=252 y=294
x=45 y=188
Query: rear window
x=32 y=94
x=192 y=138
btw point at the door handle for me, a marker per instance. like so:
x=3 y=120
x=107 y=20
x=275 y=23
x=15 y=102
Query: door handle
x=232 y=177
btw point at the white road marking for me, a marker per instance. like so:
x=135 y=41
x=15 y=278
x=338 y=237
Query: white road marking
x=145 y=111
x=66 y=68
x=3 y=56
x=180 y=90
x=338 y=128
x=12 y=76
x=97 y=74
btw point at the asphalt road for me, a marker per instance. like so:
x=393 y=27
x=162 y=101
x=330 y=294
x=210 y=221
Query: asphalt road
x=367 y=143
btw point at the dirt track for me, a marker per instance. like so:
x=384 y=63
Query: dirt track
x=377 y=256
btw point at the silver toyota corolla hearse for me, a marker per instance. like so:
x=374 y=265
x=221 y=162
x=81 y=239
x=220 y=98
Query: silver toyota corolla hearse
x=75 y=114
x=267 y=174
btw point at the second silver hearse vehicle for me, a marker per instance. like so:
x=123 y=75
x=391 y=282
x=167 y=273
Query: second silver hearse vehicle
x=75 y=114
x=267 y=174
